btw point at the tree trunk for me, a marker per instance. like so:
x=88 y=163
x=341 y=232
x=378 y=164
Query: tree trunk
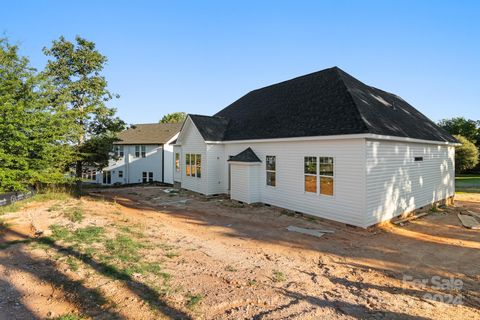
x=78 y=176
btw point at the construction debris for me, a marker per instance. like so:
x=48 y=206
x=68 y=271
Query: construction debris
x=410 y=218
x=310 y=232
x=469 y=222
x=170 y=190
x=475 y=214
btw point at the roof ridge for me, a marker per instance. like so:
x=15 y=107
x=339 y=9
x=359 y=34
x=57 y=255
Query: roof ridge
x=295 y=78
x=341 y=74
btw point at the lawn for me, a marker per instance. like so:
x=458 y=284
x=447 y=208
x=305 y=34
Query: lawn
x=467 y=183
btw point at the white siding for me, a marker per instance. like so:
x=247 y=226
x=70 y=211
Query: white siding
x=215 y=163
x=169 y=158
x=397 y=184
x=348 y=203
x=193 y=143
x=134 y=167
x=177 y=175
x=245 y=182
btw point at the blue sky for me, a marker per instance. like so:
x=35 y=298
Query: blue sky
x=200 y=56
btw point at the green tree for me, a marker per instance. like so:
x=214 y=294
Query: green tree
x=33 y=135
x=466 y=155
x=75 y=70
x=174 y=117
x=464 y=127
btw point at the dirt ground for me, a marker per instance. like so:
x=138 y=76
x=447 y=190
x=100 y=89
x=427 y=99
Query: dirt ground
x=152 y=255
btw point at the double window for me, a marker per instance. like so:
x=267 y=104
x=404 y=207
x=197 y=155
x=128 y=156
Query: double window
x=140 y=151
x=319 y=175
x=177 y=162
x=193 y=165
x=271 y=171
x=120 y=174
x=118 y=150
x=147 y=177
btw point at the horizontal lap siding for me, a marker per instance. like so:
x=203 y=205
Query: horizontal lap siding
x=193 y=143
x=397 y=184
x=346 y=206
x=215 y=164
x=177 y=176
x=240 y=188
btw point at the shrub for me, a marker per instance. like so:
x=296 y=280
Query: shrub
x=466 y=155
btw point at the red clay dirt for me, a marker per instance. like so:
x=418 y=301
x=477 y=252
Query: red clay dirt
x=233 y=261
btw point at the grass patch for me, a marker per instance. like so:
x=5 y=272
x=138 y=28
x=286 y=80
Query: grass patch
x=467 y=183
x=75 y=214
x=193 y=300
x=124 y=248
x=252 y=282
x=69 y=317
x=86 y=235
x=72 y=263
x=278 y=276
x=229 y=268
x=171 y=254
x=40 y=197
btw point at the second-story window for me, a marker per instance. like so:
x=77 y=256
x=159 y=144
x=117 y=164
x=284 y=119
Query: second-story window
x=118 y=150
x=140 y=151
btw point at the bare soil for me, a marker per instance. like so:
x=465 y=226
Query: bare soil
x=214 y=258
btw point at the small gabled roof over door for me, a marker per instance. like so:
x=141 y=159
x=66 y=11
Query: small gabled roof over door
x=246 y=155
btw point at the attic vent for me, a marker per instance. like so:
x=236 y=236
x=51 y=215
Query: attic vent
x=418 y=159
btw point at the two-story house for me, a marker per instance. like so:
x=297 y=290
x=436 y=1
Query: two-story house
x=144 y=153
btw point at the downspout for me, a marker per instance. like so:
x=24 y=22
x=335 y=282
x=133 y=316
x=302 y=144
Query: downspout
x=163 y=163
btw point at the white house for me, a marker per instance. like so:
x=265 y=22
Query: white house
x=144 y=153
x=324 y=144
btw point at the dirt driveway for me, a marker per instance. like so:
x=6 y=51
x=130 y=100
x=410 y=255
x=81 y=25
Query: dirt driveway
x=155 y=255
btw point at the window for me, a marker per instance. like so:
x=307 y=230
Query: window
x=187 y=164
x=193 y=165
x=198 y=164
x=120 y=174
x=271 y=171
x=118 y=151
x=140 y=151
x=147 y=176
x=107 y=177
x=326 y=176
x=310 y=172
x=177 y=162
x=418 y=159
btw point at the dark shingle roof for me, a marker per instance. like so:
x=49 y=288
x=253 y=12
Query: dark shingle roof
x=149 y=133
x=211 y=128
x=328 y=102
x=246 y=155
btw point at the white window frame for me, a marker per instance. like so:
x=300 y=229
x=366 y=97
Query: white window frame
x=270 y=171
x=192 y=165
x=310 y=175
x=318 y=176
x=178 y=166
